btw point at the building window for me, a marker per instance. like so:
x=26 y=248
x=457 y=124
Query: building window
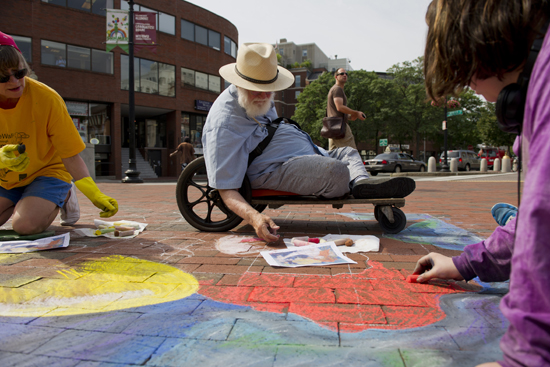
x=298 y=79
x=282 y=52
x=99 y=6
x=201 y=35
x=229 y=46
x=187 y=30
x=188 y=76
x=166 y=23
x=167 y=80
x=201 y=80
x=214 y=40
x=94 y=6
x=75 y=57
x=296 y=94
x=149 y=76
x=78 y=57
x=53 y=53
x=226 y=84
x=204 y=36
x=304 y=53
x=25 y=45
x=102 y=62
x=214 y=83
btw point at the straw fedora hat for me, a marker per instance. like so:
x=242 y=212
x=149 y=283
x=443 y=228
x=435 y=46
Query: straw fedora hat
x=256 y=69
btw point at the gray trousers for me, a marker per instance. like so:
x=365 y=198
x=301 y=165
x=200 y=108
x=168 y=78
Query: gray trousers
x=317 y=175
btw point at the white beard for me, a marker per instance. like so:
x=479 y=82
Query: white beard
x=254 y=108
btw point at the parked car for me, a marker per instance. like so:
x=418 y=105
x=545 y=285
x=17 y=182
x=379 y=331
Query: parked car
x=393 y=162
x=467 y=159
x=490 y=153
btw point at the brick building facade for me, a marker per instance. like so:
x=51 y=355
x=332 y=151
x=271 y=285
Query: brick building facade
x=64 y=42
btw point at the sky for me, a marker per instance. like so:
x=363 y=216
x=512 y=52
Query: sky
x=373 y=34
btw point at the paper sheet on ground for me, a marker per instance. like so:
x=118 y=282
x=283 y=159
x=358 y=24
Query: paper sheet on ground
x=313 y=255
x=361 y=243
x=46 y=243
x=90 y=232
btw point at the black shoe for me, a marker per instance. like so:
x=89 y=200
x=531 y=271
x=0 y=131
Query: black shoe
x=383 y=188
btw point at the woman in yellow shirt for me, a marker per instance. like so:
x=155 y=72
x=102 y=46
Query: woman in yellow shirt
x=36 y=184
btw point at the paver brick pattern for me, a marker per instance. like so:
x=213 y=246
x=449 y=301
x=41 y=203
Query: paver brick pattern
x=375 y=288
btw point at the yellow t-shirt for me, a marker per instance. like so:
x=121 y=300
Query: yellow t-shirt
x=41 y=122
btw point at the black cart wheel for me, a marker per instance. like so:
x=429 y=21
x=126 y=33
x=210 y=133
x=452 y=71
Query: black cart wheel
x=377 y=212
x=200 y=204
x=399 y=223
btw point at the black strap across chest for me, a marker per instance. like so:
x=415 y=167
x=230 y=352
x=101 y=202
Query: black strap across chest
x=271 y=129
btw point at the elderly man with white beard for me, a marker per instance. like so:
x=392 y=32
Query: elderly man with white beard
x=291 y=162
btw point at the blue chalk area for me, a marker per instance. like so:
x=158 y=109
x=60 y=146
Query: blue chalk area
x=433 y=231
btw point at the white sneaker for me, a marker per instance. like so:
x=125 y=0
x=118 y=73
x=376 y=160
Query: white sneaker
x=70 y=212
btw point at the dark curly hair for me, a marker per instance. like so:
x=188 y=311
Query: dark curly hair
x=478 y=38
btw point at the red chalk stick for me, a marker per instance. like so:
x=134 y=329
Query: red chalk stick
x=412 y=278
x=314 y=240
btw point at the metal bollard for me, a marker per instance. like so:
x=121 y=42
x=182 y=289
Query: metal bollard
x=432 y=167
x=506 y=164
x=483 y=166
x=454 y=165
x=496 y=165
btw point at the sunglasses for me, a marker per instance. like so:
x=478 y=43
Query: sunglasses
x=19 y=74
x=342 y=74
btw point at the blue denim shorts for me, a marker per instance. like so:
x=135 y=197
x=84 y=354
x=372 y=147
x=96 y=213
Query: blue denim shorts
x=49 y=188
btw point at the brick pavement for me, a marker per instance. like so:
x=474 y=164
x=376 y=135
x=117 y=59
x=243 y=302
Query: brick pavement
x=131 y=301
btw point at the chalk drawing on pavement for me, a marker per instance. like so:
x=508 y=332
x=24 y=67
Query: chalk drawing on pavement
x=428 y=230
x=105 y=284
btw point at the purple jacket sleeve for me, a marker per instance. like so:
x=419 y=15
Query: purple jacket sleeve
x=489 y=259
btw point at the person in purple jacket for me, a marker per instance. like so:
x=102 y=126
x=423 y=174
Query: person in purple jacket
x=500 y=49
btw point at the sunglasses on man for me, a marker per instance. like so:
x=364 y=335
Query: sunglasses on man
x=19 y=74
x=342 y=74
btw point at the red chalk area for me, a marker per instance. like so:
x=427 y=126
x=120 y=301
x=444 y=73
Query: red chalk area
x=377 y=298
x=412 y=278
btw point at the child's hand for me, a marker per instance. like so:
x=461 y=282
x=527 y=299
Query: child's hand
x=435 y=265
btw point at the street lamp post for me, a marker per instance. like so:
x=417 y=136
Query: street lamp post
x=445 y=166
x=132 y=174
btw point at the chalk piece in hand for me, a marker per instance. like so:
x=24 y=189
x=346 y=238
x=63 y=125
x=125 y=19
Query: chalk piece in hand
x=412 y=278
x=21 y=148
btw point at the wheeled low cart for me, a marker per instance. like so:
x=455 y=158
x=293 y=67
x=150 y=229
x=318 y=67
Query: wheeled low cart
x=203 y=207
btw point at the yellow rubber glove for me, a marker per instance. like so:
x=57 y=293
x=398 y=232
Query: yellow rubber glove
x=9 y=160
x=108 y=205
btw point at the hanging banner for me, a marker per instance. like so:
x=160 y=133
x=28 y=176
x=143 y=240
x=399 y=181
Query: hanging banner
x=145 y=30
x=118 y=25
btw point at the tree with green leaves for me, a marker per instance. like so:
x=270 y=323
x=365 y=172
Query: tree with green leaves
x=396 y=108
x=488 y=128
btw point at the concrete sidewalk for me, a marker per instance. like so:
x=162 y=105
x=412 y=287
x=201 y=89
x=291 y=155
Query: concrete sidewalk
x=174 y=296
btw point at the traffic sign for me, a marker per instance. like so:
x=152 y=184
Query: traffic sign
x=383 y=142
x=454 y=113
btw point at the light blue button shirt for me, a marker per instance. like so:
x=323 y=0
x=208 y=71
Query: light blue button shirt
x=229 y=136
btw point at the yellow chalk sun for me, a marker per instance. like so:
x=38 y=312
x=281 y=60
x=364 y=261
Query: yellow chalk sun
x=107 y=284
